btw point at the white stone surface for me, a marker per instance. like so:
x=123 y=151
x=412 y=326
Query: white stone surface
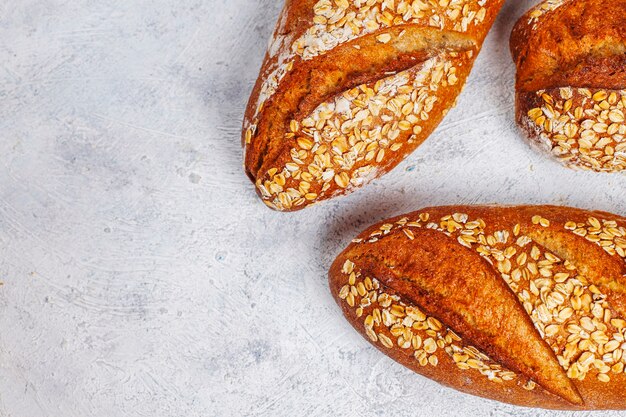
x=142 y=276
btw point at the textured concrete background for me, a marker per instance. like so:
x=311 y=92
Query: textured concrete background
x=141 y=275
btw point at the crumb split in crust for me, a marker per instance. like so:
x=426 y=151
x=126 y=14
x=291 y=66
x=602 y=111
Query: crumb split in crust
x=578 y=312
x=298 y=154
x=571 y=81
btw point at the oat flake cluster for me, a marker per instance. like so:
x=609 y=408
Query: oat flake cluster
x=543 y=8
x=583 y=127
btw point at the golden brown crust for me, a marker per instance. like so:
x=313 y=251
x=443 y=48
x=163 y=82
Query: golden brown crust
x=575 y=43
x=524 y=305
x=319 y=122
x=571 y=80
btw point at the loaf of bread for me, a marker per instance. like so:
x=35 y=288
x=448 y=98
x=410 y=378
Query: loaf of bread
x=571 y=81
x=525 y=305
x=349 y=88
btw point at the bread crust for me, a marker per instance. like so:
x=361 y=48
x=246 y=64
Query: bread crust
x=452 y=275
x=305 y=134
x=571 y=80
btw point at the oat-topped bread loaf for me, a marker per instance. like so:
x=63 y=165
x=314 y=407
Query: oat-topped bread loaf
x=349 y=88
x=571 y=80
x=525 y=305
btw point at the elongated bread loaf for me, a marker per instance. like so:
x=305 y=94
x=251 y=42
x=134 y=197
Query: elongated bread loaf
x=571 y=81
x=525 y=305
x=349 y=88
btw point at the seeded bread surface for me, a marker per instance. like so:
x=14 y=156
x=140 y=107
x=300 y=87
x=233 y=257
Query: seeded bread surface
x=571 y=81
x=349 y=88
x=525 y=305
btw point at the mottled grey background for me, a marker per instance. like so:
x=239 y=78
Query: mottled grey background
x=142 y=276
